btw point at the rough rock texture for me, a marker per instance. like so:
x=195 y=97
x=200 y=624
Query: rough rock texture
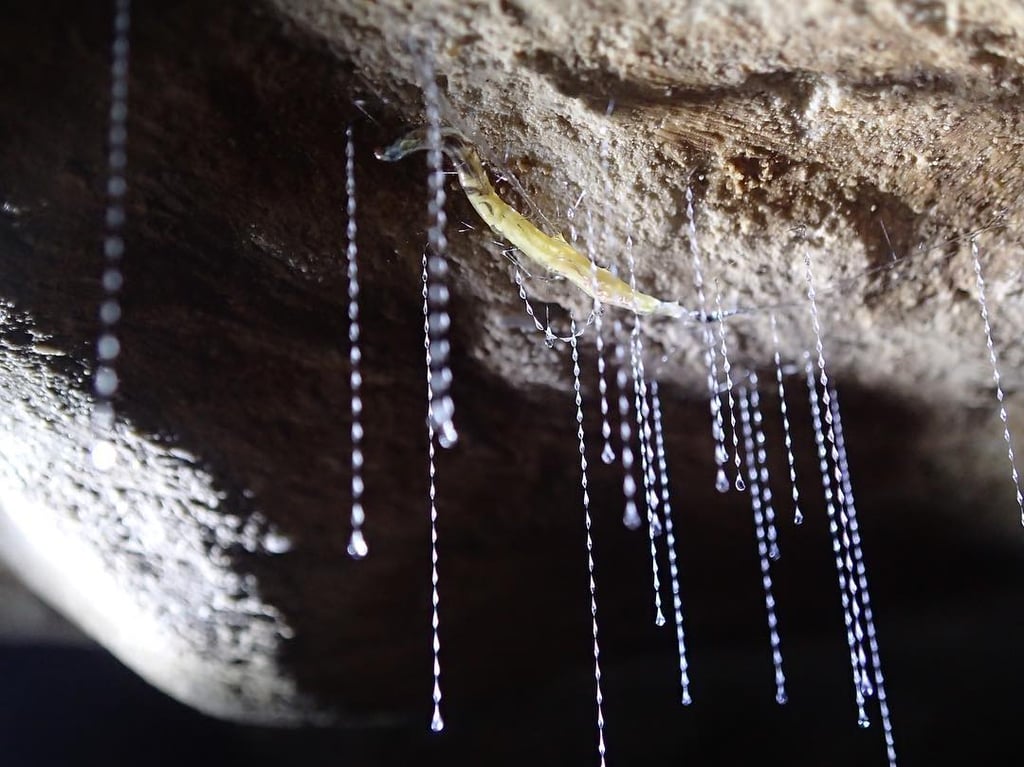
x=877 y=136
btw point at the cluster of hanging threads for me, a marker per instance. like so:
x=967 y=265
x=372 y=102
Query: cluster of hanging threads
x=761 y=453
x=646 y=418
x=357 y=547
x=717 y=426
x=641 y=410
x=834 y=533
x=996 y=376
x=721 y=482
x=835 y=500
x=108 y=346
x=862 y=580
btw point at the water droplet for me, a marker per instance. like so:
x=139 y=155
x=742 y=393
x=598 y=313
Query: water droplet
x=116 y=185
x=103 y=416
x=110 y=312
x=357 y=548
x=103 y=455
x=358 y=515
x=629 y=486
x=436 y=723
x=448 y=435
x=112 y=280
x=108 y=347
x=739 y=484
x=106 y=382
x=115 y=217
x=608 y=454
x=275 y=542
x=439 y=323
x=866 y=687
x=113 y=248
x=721 y=481
x=656 y=527
x=630 y=518
x=439 y=349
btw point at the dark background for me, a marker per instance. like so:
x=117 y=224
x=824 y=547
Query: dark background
x=951 y=655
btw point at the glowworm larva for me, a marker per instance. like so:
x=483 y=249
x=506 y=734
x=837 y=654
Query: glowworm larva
x=549 y=252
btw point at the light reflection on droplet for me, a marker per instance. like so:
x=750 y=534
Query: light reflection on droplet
x=103 y=455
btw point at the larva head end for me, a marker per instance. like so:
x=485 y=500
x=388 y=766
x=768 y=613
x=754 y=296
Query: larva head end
x=416 y=140
x=392 y=153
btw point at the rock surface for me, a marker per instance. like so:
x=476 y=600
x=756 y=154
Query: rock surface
x=878 y=137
